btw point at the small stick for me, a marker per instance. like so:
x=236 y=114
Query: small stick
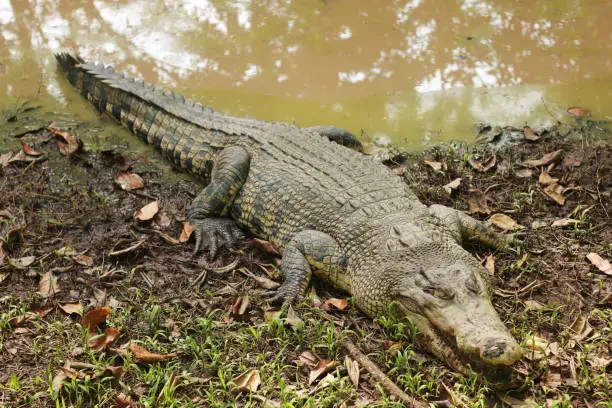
x=381 y=377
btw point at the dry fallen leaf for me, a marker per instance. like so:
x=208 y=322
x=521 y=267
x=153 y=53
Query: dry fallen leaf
x=82 y=259
x=322 y=367
x=553 y=380
x=581 y=328
x=555 y=191
x=478 y=202
x=577 y=111
x=530 y=134
x=339 y=304
x=101 y=341
x=48 y=286
x=147 y=212
x=145 y=356
x=601 y=264
x=266 y=246
x=186 y=232
x=545 y=179
x=536 y=346
x=437 y=166
x=5 y=159
x=124 y=401
x=564 y=222
x=71 y=308
x=246 y=382
x=523 y=173
x=452 y=185
x=306 y=359
x=352 y=367
x=485 y=165
x=546 y=159
x=22 y=263
x=489 y=264
x=261 y=281
x=240 y=305
x=129 y=181
x=67 y=143
x=94 y=317
x=293 y=319
x=504 y=222
x=29 y=150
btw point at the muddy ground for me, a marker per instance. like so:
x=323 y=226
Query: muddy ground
x=72 y=244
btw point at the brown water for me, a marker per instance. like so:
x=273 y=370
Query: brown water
x=413 y=72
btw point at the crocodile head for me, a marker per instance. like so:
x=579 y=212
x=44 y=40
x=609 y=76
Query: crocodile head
x=447 y=295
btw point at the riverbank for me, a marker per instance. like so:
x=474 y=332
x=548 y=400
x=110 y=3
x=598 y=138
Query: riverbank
x=93 y=236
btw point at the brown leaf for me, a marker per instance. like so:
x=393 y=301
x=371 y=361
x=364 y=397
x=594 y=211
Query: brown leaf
x=577 y=111
x=123 y=401
x=22 y=263
x=306 y=359
x=67 y=143
x=545 y=179
x=478 y=202
x=101 y=341
x=322 y=367
x=62 y=375
x=94 y=317
x=145 y=356
x=260 y=280
x=240 y=305
x=546 y=159
x=339 y=304
x=553 y=380
x=162 y=220
x=129 y=181
x=601 y=264
x=564 y=222
x=186 y=232
x=71 y=308
x=352 y=367
x=485 y=165
x=266 y=246
x=581 y=328
x=5 y=159
x=530 y=134
x=293 y=319
x=523 y=173
x=452 y=185
x=82 y=259
x=147 y=212
x=20 y=156
x=48 y=285
x=437 y=166
x=504 y=222
x=29 y=150
x=246 y=382
x=555 y=191
x=489 y=264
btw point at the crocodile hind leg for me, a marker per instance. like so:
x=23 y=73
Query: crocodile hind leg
x=466 y=228
x=339 y=135
x=308 y=250
x=208 y=210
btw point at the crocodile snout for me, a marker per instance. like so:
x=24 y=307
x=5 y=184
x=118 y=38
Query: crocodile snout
x=501 y=351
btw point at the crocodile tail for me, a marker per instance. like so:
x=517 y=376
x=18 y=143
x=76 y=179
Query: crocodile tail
x=162 y=119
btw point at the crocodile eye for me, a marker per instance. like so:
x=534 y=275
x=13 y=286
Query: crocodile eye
x=473 y=286
x=439 y=293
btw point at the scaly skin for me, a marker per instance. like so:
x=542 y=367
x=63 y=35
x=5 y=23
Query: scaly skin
x=334 y=213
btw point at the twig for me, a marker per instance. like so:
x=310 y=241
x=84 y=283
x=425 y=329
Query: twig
x=381 y=377
x=128 y=249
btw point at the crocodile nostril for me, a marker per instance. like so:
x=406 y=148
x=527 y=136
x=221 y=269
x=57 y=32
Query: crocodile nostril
x=494 y=348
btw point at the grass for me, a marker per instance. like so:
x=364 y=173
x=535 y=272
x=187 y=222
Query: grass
x=154 y=304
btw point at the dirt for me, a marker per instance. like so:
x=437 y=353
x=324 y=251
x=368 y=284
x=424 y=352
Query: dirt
x=70 y=214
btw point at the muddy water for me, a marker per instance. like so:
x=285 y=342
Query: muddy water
x=413 y=72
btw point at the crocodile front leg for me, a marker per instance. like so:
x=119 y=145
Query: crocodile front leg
x=466 y=228
x=309 y=250
x=212 y=204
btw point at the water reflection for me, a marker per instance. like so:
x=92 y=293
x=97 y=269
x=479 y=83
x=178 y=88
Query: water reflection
x=395 y=67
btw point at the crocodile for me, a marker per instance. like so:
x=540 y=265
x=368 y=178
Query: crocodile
x=333 y=212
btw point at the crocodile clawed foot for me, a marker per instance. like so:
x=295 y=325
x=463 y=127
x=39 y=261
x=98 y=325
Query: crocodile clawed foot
x=214 y=234
x=285 y=296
